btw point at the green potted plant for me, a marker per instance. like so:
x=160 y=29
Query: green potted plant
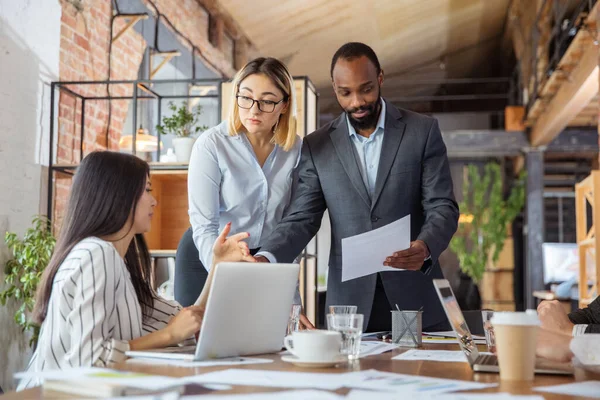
x=31 y=255
x=183 y=124
x=485 y=218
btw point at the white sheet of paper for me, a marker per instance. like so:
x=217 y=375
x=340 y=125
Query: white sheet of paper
x=124 y=378
x=390 y=382
x=585 y=389
x=209 y=363
x=371 y=347
x=367 y=395
x=364 y=254
x=250 y=377
x=282 y=395
x=432 y=355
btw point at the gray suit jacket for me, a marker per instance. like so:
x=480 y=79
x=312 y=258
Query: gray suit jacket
x=413 y=178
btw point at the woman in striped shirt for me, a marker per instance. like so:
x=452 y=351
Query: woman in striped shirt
x=94 y=299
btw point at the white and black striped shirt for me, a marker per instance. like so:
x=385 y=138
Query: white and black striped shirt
x=93 y=312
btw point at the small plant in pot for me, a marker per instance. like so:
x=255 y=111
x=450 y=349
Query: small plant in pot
x=485 y=217
x=23 y=271
x=183 y=124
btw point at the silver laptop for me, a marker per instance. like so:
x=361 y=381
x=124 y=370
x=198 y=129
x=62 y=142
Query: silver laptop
x=483 y=362
x=247 y=313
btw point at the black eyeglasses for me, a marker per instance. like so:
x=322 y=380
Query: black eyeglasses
x=267 y=106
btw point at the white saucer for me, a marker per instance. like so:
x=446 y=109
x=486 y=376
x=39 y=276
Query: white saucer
x=315 y=364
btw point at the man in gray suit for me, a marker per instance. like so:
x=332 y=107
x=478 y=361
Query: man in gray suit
x=371 y=166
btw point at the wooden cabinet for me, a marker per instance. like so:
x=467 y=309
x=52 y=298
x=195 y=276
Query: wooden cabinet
x=497 y=285
x=170 y=219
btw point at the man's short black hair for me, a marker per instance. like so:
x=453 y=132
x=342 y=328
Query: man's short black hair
x=354 y=50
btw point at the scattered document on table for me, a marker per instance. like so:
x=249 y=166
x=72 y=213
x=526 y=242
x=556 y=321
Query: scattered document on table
x=390 y=382
x=432 y=355
x=282 y=395
x=371 y=347
x=585 y=389
x=229 y=361
x=364 y=254
x=251 y=377
x=365 y=395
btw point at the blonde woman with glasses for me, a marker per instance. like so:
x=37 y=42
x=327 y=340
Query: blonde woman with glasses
x=241 y=171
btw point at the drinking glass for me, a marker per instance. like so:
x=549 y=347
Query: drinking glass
x=294 y=321
x=351 y=327
x=490 y=339
x=343 y=309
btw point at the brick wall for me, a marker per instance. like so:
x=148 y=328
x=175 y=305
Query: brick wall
x=84 y=49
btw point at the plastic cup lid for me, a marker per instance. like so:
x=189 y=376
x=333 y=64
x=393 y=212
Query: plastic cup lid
x=527 y=318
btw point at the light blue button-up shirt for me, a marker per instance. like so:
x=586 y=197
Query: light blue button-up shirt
x=227 y=184
x=369 y=150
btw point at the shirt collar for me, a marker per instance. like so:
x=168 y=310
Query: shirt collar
x=380 y=121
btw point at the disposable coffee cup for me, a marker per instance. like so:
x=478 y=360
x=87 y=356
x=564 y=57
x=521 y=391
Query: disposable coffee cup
x=516 y=338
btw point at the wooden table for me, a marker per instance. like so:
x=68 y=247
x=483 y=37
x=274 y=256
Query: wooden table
x=382 y=362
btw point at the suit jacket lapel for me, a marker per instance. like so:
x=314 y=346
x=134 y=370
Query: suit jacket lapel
x=394 y=131
x=343 y=147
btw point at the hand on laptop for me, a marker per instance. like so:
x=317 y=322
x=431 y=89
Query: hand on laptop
x=553 y=317
x=411 y=258
x=185 y=324
x=553 y=345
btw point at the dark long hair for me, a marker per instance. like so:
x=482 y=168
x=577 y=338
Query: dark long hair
x=105 y=192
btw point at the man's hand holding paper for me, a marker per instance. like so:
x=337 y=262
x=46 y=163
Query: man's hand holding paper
x=411 y=258
x=367 y=253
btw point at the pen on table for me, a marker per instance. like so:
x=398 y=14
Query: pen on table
x=438 y=337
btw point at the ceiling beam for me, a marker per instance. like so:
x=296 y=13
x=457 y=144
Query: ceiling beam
x=574 y=94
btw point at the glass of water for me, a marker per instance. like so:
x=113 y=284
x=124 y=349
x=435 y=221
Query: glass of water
x=294 y=321
x=490 y=338
x=342 y=309
x=351 y=327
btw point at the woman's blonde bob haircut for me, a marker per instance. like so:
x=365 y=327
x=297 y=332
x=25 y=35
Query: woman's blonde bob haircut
x=285 y=130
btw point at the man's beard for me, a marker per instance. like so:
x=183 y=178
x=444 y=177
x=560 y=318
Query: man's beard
x=370 y=120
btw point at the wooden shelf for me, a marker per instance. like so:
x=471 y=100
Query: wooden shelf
x=160 y=253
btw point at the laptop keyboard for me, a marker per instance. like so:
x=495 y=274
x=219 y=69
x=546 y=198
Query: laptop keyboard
x=177 y=349
x=487 y=359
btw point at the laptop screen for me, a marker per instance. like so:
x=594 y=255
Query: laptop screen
x=459 y=325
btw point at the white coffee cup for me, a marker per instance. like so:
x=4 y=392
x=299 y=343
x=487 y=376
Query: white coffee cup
x=314 y=345
x=516 y=338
